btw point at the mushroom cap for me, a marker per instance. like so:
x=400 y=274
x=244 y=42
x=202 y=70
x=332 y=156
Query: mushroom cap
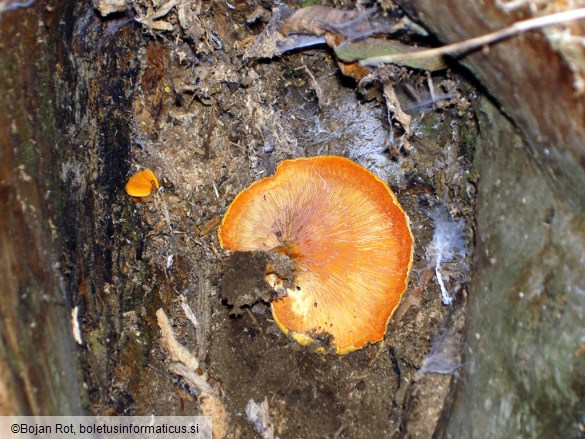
x=142 y=183
x=348 y=236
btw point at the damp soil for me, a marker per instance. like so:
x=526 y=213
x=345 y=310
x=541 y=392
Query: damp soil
x=208 y=123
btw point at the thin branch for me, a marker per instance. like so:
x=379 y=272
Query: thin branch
x=481 y=41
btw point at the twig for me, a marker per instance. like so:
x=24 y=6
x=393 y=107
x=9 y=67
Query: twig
x=483 y=40
x=339 y=431
x=254 y=320
x=209 y=400
x=177 y=350
x=211 y=122
x=189 y=312
x=316 y=87
x=187 y=366
x=165 y=210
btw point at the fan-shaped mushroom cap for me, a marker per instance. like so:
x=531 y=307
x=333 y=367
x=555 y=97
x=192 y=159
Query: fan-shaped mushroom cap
x=142 y=184
x=350 y=241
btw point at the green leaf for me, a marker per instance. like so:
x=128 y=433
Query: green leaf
x=375 y=47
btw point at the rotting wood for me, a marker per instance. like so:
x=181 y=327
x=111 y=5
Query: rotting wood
x=187 y=366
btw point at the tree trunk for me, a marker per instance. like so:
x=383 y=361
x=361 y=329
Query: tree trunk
x=64 y=141
x=525 y=365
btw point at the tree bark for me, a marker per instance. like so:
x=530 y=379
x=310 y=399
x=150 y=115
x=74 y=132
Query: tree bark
x=539 y=84
x=524 y=367
x=65 y=77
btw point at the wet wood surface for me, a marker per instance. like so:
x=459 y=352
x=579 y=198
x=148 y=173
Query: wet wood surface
x=58 y=91
x=37 y=374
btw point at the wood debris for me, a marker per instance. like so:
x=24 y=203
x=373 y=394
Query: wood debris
x=210 y=225
x=341 y=28
x=107 y=7
x=259 y=415
x=354 y=35
x=396 y=113
x=177 y=350
x=187 y=366
x=189 y=312
x=153 y=16
x=75 y=326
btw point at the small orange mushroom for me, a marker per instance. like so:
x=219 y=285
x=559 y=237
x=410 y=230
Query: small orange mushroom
x=350 y=241
x=141 y=185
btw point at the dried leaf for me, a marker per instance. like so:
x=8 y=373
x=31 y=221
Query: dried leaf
x=184 y=15
x=159 y=25
x=107 y=7
x=163 y=10
x=353 y=70
x=156 y=25
x=315 y=20
x=344 y=24
x=395 y=109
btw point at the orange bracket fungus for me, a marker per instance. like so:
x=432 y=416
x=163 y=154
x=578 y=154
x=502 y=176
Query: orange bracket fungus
x=349 y=240
x=141 y=185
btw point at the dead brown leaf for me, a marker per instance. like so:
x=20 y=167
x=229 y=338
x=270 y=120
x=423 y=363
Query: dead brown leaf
x=315 y=20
